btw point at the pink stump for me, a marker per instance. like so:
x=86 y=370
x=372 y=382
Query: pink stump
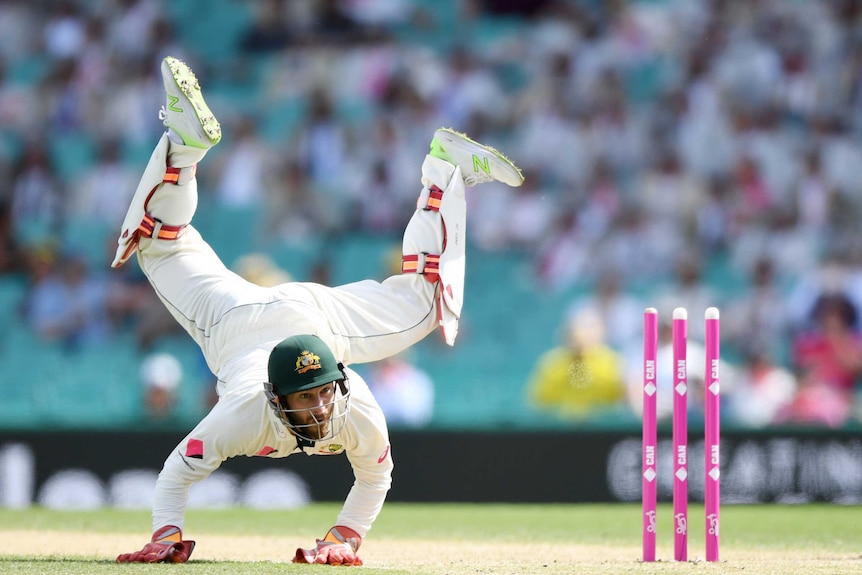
x=650 y=433
x=712 y=434
x=680 y=435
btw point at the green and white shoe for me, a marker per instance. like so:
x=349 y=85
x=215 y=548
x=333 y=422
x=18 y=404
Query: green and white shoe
x=185 y=111
x=478 y=163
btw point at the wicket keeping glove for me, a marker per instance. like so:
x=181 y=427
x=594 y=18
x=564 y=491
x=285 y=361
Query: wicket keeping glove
x=338 y=547
x=166 y=546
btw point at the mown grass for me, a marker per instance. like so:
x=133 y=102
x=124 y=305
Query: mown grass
x=486 y=539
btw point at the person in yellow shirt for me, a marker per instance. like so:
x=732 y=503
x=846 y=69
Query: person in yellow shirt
x=584 y=377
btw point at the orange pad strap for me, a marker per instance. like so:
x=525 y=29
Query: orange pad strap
x=425 y=264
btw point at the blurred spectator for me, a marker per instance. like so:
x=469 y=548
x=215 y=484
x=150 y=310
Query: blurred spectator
x=765 y=390
x=152 y=319
x=671 y=194
x=102 y=193
x=296 y=210
x=753 y=195
x=333 y=23
x=11 y=254
x=828 y=363
x=759 y=318
x=619 y=135
x=268 y=31
x=833 y=275
x=405 y=392
x=37 y=195
x=128 y=114
x=133 y=306
x=94 y=66
x=131 y=22
x=64 y=30
x=714 y=221
x=516 y=219
x=322 y=143
x=563 y=258
x=66 y=103
x=163 y=37
x=777 y=235
x=18 y=115
x=813 y=195
x=582 y=379
x=243 y=167
x=688 y=289
x=621 y=313
x=702 y=132
x=603 y=202
x=469 y=89
x=67 y=304
x=379 y=209
x=260 y=269
x=530 y=214
x=639 y=248
x=380 y=12
x=20 y=30
x=161 y=375
x=383 y=194
x=547 y=125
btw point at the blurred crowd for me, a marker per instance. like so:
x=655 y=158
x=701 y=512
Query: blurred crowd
x=661 y=140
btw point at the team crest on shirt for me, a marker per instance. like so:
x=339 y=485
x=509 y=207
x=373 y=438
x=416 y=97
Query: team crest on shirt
x=307 y=361
x=331 y=449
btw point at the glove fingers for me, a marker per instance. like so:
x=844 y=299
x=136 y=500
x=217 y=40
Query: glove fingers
x=137 y=557
x=339 y=557
x=180 y=552
x=305 y=555
x=160 y=553
x=328 y=555
x=332 y=556
x=345 y=560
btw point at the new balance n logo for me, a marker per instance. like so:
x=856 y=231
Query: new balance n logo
x=482 y=164
x=173 y=104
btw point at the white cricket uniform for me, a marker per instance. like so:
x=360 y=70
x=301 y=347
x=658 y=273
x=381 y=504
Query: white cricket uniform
x=237 y=324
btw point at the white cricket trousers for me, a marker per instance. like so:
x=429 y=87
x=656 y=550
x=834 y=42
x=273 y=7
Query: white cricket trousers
x=230 y=317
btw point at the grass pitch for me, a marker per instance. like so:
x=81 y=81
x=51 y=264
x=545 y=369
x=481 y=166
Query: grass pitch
x=446 y=539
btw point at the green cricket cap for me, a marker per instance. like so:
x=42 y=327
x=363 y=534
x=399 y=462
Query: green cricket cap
x=301 y=362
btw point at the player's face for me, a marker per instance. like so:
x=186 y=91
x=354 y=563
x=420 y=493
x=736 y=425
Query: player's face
x=313 y=410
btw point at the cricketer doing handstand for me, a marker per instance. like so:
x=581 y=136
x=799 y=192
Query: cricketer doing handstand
x=281 y=354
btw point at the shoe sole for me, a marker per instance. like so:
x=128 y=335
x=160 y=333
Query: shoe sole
x=509 y=173
x=188 y=84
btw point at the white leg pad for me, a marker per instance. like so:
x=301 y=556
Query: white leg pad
x=453 y=212
x=170 y=204
x=182 y=156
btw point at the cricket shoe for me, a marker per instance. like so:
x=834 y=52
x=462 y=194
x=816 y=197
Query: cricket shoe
x=185 y=111
x=478 y=163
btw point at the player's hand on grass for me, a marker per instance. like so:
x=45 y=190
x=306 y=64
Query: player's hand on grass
x=338 y=547
x=166 y=546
